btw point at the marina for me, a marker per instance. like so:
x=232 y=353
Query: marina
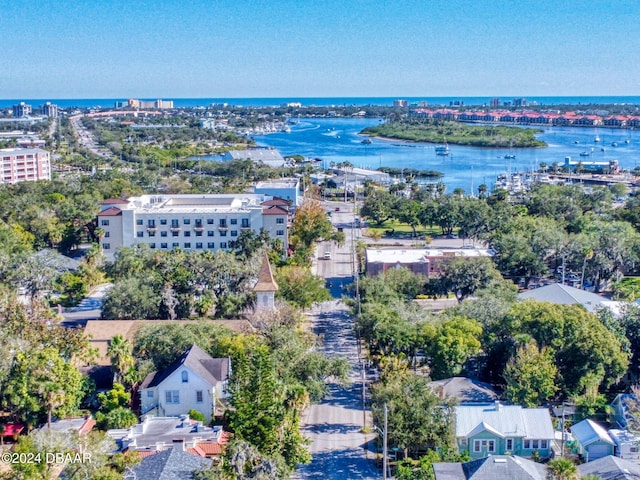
x=337 y=140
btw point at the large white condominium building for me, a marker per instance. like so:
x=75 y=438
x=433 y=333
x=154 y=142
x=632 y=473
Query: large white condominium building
x=24 y=165
x=189 y=222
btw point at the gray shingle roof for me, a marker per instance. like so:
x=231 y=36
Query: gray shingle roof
x=213 y=370
x=172 y=464
x=496 y=467
x=465 y=390
x=565 y=295
x=611 y=468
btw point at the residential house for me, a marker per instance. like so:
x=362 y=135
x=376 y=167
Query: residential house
x=560 y=294
x=172 y=464
x=499 y=429
x=81 y=425
x=465 y=390
x=194 y=381
x=627 y=444
x=495 y=467
x=610 y=468
x=592 y=441
x=621 y=407
x=156 y=434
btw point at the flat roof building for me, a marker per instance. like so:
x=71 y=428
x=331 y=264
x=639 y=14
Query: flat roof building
x=189 y=222
x=24 y=165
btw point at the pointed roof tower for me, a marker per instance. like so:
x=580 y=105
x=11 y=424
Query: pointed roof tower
x=266 y=282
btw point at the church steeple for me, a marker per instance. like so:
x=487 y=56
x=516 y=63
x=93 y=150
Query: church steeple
x=265 y=287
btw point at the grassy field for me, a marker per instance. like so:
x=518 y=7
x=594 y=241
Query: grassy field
x=400 y=230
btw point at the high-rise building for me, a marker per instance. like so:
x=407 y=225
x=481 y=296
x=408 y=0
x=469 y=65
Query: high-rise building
x=49 y=109
x=22 y=110
x=24 y=165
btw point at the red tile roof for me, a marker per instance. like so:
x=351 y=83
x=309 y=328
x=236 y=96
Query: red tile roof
x=197 y=451
x=209 y=448
x=275 y=210
x=114 y=201
x=275 y=201
x=110 y=212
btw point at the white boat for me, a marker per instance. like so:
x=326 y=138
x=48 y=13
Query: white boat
x=614 y=144
x=584 y=154
x=596 y=139
x=442 y=150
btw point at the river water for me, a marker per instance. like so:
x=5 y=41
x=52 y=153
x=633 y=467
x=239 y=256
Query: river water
x=337 y=140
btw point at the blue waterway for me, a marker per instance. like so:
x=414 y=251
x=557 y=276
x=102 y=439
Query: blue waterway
x=328 y=101
x=337 y=140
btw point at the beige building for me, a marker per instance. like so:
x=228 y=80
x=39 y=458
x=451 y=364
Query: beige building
x=190 y=222
x=24 y=165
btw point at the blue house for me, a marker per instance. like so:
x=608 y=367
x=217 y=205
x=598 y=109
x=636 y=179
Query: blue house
x=592 y=441
x=498 y=429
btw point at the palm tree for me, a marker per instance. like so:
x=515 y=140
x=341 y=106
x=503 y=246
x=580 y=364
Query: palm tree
x=562 y=469
x=119 y=352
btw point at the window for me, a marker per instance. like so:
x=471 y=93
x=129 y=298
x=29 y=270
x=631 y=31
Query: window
x=140 y=234
x=223 y=233
x=209 y=221
x=106 y=246
x=209 y=233
x=476 y=446
x=199 y=233
x=280 y=220
x=152 y=245
x=150 y=393
x=175 y=233
x=245 y=223
x=199 y=396
x=534 y=444
x=234 y=221
x=223 y=244
x=104 y=223
x=186 y=221
x=172 y=396
x=543 y=444
x=633 y=449
x=211 y=245
x=163 y=234
x=151 y=233
x=199 y=245
x=187 y=245
x=509 y=444
x=280 y=233
x=491 y=444
x=139 y=221
x=106 y=234
x=185 y=376
x=223 y=223
x=187 y=233
x=527 y=444
x=175 y=245
x=198 y=223
x=175 y=223
x=234 y=233
x=151 y=223
x=163 y=245
x=163 y=221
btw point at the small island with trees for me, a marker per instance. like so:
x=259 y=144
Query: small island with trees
x=456 y=133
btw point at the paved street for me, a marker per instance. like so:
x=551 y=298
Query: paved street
x=335 y=424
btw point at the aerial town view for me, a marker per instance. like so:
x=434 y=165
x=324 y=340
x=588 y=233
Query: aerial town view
x=320 y=240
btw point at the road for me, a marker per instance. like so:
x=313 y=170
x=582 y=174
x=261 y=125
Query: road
x=334 y=426
x=90 y=308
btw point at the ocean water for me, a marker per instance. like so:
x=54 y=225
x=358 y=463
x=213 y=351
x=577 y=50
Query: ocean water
x=325 y=101
x=338 y=140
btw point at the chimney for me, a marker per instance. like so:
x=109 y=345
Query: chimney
x=179 y=443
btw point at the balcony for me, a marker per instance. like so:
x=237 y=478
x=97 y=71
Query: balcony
x=151 y=228
x=245 y=227
x=223 y=227
x=175 y=228
x=198 y=228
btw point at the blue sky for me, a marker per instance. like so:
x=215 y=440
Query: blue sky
x=318 y=48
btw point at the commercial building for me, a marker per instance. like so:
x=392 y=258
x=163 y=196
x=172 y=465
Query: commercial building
x=268 y=156
x=285 y=189
x=24 y=165
x=425 y=261
x=49 y=109
x=190 y=222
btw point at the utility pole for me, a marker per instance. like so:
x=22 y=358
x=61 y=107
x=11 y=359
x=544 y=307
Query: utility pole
x=384 y=445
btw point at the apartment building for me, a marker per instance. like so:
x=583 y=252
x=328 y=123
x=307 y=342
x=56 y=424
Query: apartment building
x=22 y=110
x=189 y=222
x=24 y=165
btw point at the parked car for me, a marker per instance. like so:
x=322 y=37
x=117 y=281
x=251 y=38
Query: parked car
x=327 y=255
x=337 y=209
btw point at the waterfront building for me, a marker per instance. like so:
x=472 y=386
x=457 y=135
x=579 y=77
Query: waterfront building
x=269 y=156
x=22 y=110
x=49 y=110
x=189 y=222
x=24 y=165
x=400 y=103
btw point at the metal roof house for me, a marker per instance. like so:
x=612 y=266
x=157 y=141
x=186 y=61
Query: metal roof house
x=498 y=429
x=560 y=294
x=611 y=468
x=592 y=441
